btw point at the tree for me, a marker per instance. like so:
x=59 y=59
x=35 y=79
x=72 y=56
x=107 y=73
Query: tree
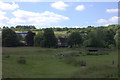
x=27 y=27
x=74 y=39
x=30 y=38
x=49 y=39
x=9 y=38
x=117 y=38
x=95 y=39
x=38 y=39
x=109 y=37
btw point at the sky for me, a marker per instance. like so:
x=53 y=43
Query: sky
x=58 y=14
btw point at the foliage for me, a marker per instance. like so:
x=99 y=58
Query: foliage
x=30 y=38
x=74 y=39
x=9 y=38
x=21 y=60
x=25 y=27
x=117 y=38
x=7 y=56
x=49 y=39
x=92 y=36
x=73 y=61
x=38 y=39
x=110 y=37
x=20 y=37
x=95 y=39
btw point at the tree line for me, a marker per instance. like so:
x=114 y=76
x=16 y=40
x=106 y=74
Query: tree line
x=104 y=37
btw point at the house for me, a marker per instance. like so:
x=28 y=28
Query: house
x=23 y=34
x=62 y=35
x=62 y=42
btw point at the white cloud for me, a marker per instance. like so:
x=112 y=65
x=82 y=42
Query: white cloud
x=58 y=26
x=42 y=19
x=7 y=6
x=59 y=5
x=3 y=18
x=113 y=19
x=80 y=7
x=76 y=26
x=106 y=24
x=2 y=13
x=111 y=10
x=102 y=21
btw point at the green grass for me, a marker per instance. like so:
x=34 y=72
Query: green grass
x=60 y=32
x=46 y=63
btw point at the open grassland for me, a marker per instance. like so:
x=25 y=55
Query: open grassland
x=47 y=63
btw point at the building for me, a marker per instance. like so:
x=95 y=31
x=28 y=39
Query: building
x=62 y=42
x=23 y=34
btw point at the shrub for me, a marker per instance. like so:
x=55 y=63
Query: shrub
x=79 y=63
x=103 y=52
x=80 y=52
x=69 y=60
x=83 y=52
x=111 y=46
x=93 y=53
x=21 y=60
x=75 y=62
x=7 y=56
x=83 y=63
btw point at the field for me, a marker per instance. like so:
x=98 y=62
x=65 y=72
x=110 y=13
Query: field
x=47 y=63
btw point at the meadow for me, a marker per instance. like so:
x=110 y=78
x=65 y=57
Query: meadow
x=48 y=63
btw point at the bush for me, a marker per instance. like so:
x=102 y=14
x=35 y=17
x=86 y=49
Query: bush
x=83 y=63
x=93 y=53
x=111 y=46
x=103 y=52
x=21 y=60
x=75 y=62
x=69 y=60
x=80 y=63
x=83 y=53
x=7 y=56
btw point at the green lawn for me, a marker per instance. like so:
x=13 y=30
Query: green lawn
x=46 y=63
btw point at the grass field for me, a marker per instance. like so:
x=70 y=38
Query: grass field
x=46 y=63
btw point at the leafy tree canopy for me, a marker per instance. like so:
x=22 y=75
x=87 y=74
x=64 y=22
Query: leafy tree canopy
x=74 y=39
x=9 y=38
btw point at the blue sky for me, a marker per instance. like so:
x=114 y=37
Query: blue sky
x=59 y=14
